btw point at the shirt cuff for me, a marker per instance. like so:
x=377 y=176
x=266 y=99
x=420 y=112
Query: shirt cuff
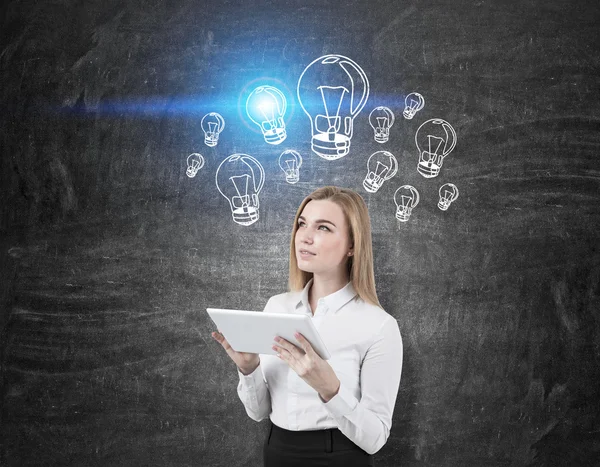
x=253 y=380
x=342 y=403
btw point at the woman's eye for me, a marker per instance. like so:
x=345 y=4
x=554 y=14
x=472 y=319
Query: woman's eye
x=324 y=227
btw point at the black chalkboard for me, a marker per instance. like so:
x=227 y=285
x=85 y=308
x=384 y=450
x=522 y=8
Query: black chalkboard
x=110 y=253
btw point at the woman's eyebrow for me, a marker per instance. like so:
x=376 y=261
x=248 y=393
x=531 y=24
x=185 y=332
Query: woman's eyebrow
x=318 y=221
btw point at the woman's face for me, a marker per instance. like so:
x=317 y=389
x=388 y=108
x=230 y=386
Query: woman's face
x=322 y=240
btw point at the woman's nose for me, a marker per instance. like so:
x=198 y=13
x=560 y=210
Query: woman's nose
x=305 y=236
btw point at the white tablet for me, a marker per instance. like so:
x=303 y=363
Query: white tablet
x=254 y=331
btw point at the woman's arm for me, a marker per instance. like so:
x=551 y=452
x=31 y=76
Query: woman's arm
x=368 y=422
x=254 y=392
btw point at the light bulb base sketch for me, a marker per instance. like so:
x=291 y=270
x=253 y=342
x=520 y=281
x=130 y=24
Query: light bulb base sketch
x=381 y=120
x=332 y=90
x=290 y=162
x=448 y=194
x=381 y=166
x=435 y=139
x=406 y=198
x=212 y=124
x=266 y=106
x=195 y=162
x=239 y=179
x=412 y=104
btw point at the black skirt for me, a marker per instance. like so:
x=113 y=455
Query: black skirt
x=322 y=448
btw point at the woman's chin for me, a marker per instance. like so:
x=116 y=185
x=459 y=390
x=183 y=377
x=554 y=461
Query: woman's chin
x=305 y=267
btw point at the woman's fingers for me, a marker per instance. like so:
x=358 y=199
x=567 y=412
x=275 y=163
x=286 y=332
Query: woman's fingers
x=220 y=338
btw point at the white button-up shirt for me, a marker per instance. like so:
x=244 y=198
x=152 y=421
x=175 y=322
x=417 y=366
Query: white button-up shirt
x=366 y=354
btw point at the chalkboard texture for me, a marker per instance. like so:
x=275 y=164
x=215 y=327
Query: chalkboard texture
x=110 y=252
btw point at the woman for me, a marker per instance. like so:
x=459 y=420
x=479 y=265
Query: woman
x=337 y=411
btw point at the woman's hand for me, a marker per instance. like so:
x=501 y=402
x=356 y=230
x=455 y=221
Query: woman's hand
x=309 y=366
x=245 y=361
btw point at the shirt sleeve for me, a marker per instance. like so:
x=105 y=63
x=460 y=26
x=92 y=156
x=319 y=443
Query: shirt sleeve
x=254 y=393
x=367 y=423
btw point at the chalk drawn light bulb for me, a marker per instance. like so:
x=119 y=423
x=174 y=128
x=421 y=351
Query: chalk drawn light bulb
x=266 y=107
x=381 y=120
x=412 y=104
x=381 y=166
x=332 y=90
x=239 y=179
x=290 y=162
x=435 y=139
x=448 y=194
x=195 y=162
x=212 y=124
x=406 y=198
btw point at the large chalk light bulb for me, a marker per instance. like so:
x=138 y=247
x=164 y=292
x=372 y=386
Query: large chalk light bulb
x=381 y=120
x=412 y=104
x=212 y=124
x=290 y=162
x=239 y=179
x=406 y=198
x=381 y=166
x=435 y=139
x=332 y=90
x=448 y=193
x=266 y=106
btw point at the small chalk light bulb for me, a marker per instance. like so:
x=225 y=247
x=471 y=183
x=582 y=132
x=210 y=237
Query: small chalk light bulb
x=381 y=120
x=448 y=194
x=239 y=179
x=195 y=162
x=406 y=198
x=381 y=166
x=212 y=124
x=290 y=162
x=435 y=139
x=412 y=104
x=266 y=106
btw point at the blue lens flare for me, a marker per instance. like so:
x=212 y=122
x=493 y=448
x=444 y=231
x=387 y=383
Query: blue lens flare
x=152 y=106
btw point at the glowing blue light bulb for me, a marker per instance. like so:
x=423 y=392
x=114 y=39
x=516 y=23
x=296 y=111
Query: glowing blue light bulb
x=266 y=107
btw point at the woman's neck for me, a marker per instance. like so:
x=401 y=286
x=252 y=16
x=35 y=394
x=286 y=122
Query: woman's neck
x=321 y=287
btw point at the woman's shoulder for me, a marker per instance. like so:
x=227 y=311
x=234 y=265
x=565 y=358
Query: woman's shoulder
x=377 y=314
x=281 y=300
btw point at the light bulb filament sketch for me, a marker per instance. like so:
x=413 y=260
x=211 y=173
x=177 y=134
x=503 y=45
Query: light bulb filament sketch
x=212 y=124
x=381 y=166
x=406 y=198
x=195 y=162
x=290 y=162
x=412 y=104
x=330 y=95
x=381 y=120
x=448 y=193
x=266 y=107
x=332 y=90
x=435 y=139
x=239 y=179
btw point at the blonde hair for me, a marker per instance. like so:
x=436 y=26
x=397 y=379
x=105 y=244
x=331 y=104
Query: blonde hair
x=360 y=265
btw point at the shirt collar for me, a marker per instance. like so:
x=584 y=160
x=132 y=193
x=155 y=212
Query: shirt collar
x=334 y=302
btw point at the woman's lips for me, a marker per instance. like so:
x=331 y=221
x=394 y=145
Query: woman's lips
x=306 y=254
